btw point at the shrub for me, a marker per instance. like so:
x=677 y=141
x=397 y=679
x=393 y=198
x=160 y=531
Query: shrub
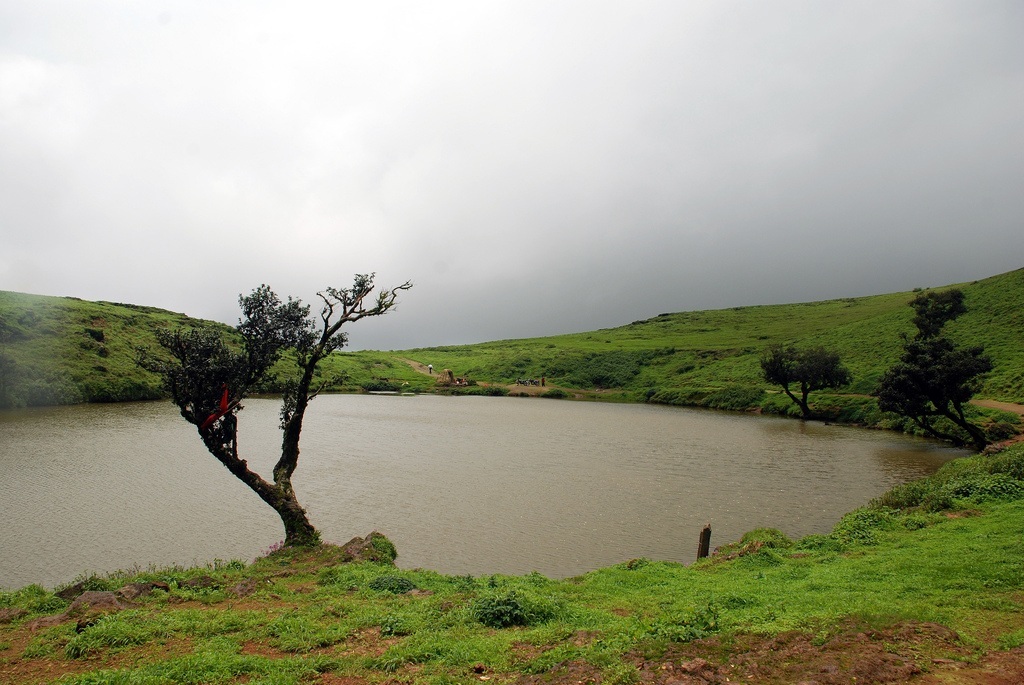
x=380 y=385
x=1000 y=430
x=819 y=543
x=772 y=538
x=395 y=626
x=735 y=398
x=385 y=548
x=983 y=487
x=862 y=525
x=687 y=627
x=493 y=391
x=555 y=394
x=394 y=584
x=511 y=608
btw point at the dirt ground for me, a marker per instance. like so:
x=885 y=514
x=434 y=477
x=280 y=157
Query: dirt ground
x=915 y=653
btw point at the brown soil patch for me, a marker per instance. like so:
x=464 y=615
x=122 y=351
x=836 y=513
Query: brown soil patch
x=1003 y=406
x=917 y=653
x=369 y=643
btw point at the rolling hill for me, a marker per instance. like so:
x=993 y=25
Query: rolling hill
x=56 y=350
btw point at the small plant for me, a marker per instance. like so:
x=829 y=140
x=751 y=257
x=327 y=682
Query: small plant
x=393 y=584
x=687 y=627
x=277 y=546
x=395 y=626
x=511 y=608
x=819 y=543
x=862 y=526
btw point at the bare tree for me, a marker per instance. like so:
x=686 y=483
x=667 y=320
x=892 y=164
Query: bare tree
x=208 y=377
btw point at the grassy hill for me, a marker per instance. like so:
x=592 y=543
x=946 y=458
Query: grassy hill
x=66 y=350
x=711 y=358
x=926 y=581
x=62 y=350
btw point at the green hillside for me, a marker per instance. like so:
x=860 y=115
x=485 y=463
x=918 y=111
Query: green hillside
x=63 y=350
x=696 y=357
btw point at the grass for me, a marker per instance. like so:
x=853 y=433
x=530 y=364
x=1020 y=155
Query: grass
x=712 y=357
x=943 y=550
x=63 y=350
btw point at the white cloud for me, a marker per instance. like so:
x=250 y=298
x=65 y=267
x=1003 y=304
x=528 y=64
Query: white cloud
x=533 y=167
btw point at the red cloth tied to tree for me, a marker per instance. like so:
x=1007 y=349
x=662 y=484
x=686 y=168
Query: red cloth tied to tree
x=221 y=411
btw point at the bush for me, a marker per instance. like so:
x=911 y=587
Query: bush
x=971 y=480
x=819 y=543
x=862 y=525
x=773 y=538
x=384 y=547
x=983 y=487
x=395 y=626
x=511 y=608
x=493 y=391
x=1000 y=430
x=394 y=584
x=687 y=627
x=555 y=394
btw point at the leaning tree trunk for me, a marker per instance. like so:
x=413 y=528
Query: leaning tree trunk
x=805 y=410
x=957 y=416
x=298 y=531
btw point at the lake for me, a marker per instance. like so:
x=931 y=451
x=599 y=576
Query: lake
x=474 y=485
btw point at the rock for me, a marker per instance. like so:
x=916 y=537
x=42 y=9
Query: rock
x=71 y=591
x=135 y=590
x=46 y=622
x=374 y=547
x=92 y=601
x=200 y=583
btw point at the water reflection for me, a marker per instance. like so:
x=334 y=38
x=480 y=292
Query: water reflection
x=462 y=485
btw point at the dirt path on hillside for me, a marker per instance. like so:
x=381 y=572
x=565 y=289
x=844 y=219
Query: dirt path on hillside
x=1003 y=406
x=416 y=366
x=513 y=389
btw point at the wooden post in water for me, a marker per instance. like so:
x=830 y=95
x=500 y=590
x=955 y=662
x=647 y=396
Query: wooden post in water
x=704 y=546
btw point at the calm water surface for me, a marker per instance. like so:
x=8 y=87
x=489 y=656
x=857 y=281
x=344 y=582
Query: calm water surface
x=460 y=484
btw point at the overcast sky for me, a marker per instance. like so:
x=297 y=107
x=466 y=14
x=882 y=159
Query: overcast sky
x=533 y=167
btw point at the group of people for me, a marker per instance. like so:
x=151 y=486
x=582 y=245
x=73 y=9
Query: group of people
x=531 y=381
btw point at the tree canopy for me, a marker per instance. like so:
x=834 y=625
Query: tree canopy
x=809 y=369
x=934 y=378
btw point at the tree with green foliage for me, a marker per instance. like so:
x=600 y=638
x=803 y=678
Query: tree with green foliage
x=208 y=376
x=934 y=378
x=811 y=369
